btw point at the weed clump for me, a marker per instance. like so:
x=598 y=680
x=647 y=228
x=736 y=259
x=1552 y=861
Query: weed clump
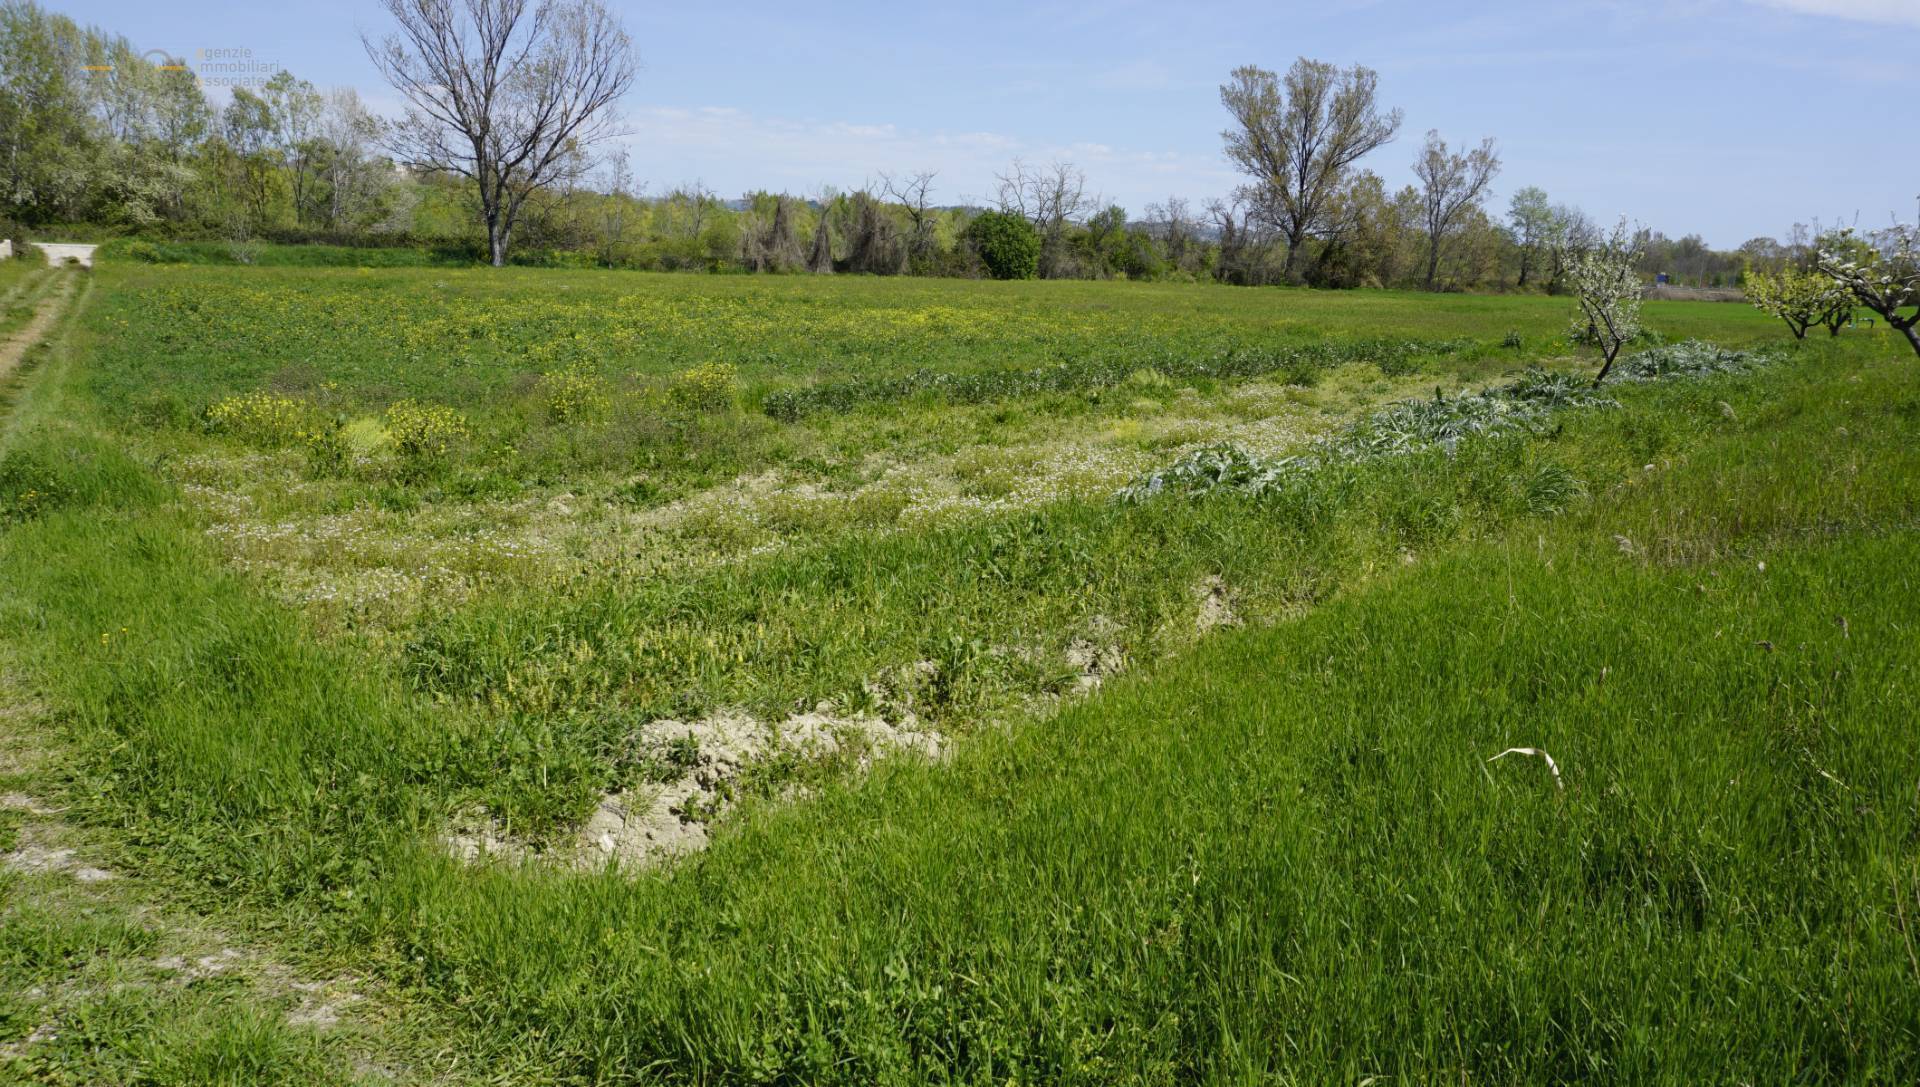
x=575 y=395
x=264 y=418
x=327 y=447
x=1149 y=380
x=1689 y=358
x=704 y=388
x=425 y=435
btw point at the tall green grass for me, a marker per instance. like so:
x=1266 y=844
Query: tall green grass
x=1286 y=855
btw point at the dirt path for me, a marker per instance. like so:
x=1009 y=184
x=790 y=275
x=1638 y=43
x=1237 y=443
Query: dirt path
x=51 y=305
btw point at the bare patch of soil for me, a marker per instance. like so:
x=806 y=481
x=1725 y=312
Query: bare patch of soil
x=1096 y=654
x=643 y=826
x=1214 y=603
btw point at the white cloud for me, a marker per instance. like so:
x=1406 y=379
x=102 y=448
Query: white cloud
x=1902 y=12
x=732 y=151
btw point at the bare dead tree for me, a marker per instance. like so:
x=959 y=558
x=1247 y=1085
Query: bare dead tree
x=1172 y=225
x=913 y=193
x=1052 y=199
x=618 y=207
x=1246 y=241
x=1450 y=183
x=1228 y=224
x=773 y=247
x=820 y=256
x=1297 y=138
x=874 y=245
x=783 y=245
x=503 y=92
x=751 y=243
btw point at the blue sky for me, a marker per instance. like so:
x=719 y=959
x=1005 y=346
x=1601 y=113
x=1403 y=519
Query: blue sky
x=1729 y=118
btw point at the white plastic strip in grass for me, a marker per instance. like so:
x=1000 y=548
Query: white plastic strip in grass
x=1551 y=765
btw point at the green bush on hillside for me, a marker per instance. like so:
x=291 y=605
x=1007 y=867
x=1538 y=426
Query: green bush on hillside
x=1008 y=245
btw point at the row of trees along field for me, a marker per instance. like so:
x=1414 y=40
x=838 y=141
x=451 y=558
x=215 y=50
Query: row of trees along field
x=97 y=138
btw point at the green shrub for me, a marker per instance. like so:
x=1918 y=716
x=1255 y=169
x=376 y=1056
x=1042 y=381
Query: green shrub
x=162 y=410
x=328 y=447
x=1008 y=245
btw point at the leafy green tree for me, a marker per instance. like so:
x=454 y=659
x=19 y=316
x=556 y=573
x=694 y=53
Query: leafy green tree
x=248 y=125
x=1008 y=244
x=354 y=183
x=46 y=130
x=294 y=112
x=1530 y=215
x=1296 y=137
x=1451 y=183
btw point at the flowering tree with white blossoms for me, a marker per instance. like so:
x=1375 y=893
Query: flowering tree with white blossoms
x=1606 y=280
x=1884 y=274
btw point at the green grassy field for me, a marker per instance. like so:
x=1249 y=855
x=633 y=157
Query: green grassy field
x=344 y=606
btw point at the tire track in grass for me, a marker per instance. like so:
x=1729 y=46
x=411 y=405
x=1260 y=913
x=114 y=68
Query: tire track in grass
x=51 y=304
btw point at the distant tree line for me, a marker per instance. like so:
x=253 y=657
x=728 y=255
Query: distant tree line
x=96 y=137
